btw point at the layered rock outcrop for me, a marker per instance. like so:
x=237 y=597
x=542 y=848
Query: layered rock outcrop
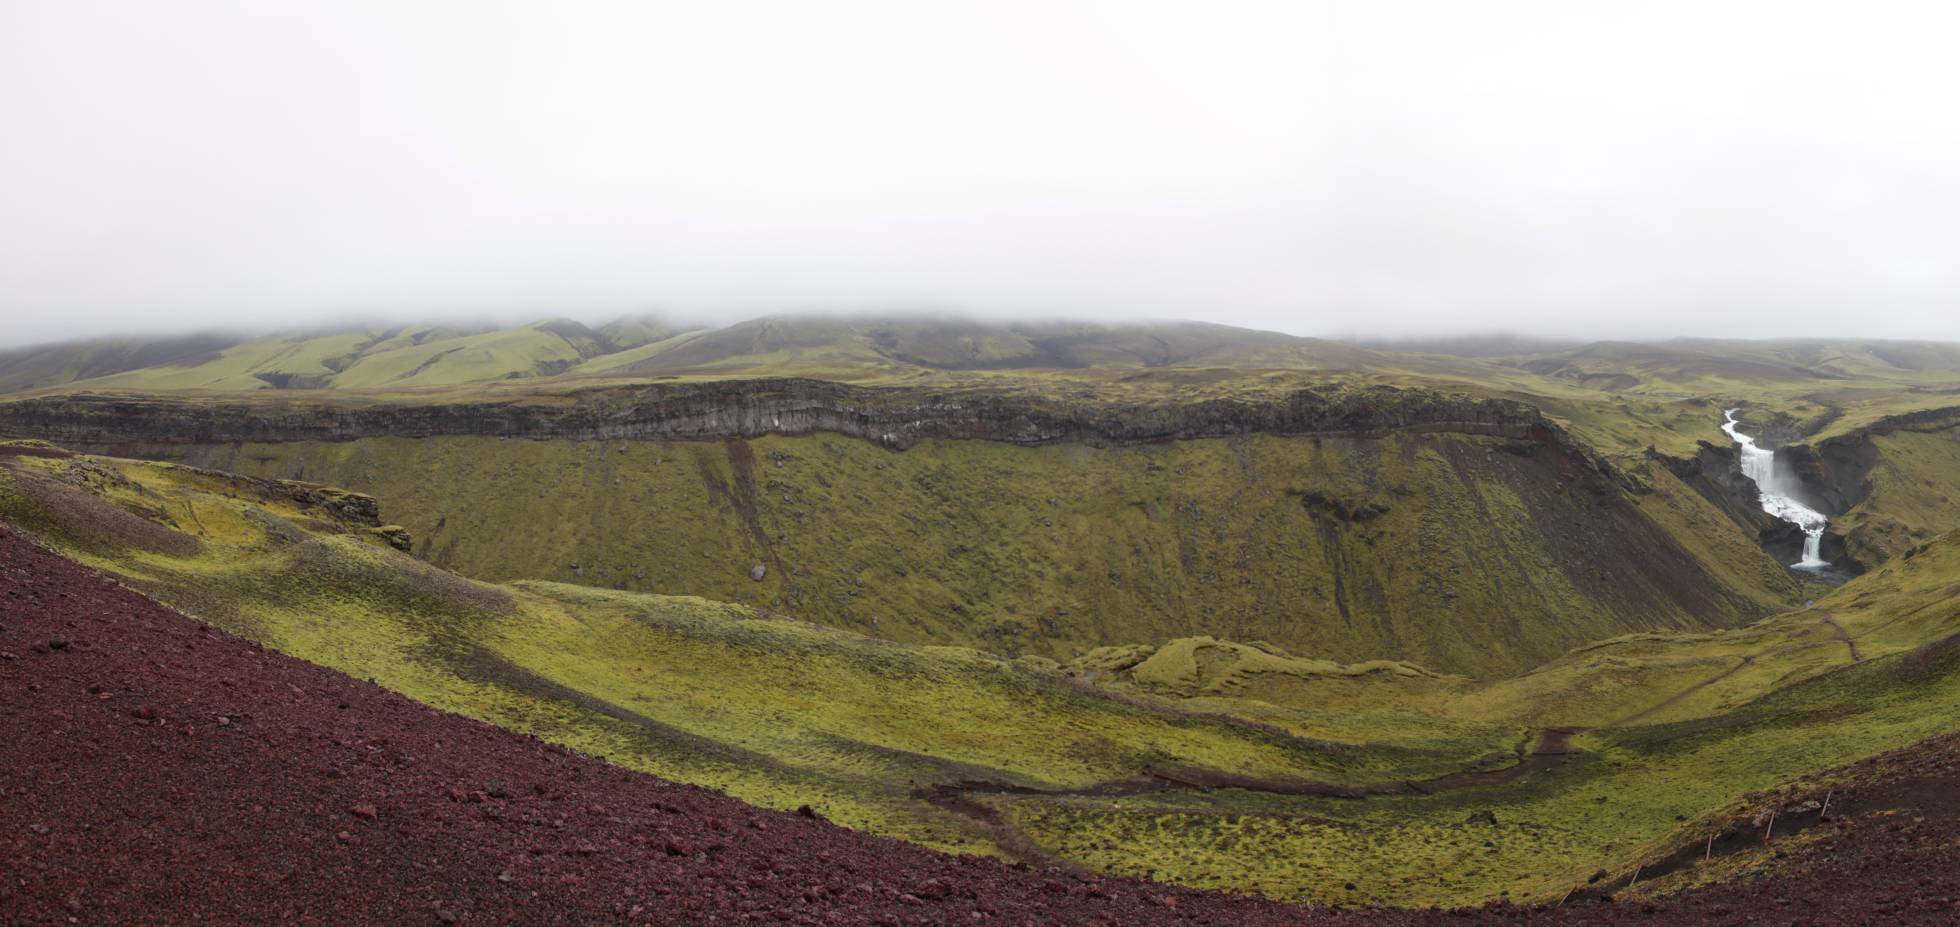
x=895 y=416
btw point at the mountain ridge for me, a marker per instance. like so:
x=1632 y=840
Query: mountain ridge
x=423 y=356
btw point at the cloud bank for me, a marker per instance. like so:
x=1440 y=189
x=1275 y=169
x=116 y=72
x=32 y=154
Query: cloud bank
x=1391 y=169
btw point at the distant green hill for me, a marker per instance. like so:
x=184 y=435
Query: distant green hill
x=816 y=344
x=42 y=366
x=405 y=358
x=400 y=358
x=425 y=357
x=1691 y=365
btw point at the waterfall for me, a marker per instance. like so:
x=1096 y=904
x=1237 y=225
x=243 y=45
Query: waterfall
x=1759 y=465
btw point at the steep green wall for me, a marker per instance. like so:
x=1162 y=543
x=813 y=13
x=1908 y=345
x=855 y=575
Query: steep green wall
x=1463 y=553
x=1914 y=495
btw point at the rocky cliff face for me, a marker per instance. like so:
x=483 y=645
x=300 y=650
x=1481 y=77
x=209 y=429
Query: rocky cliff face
x=1836 y=476
x=1716 y=473
x=1895 y=480
x=352 y=510
x=1839 y=469
x=1471 y=535
x=1463 y=552
x=894 y=417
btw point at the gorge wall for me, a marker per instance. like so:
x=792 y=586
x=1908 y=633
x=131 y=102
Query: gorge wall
x=1890 y=485
x=1886 y=486
x=1470 y=536
x=1466 y=553
x=897 y=417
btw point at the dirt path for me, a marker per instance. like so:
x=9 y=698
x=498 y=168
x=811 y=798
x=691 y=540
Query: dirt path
x=1684 y=693
x=1842 y=635
x=1542 y=750
x=1837 y=630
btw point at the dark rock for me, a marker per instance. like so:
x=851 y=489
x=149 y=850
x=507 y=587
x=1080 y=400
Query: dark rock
x=896 y=417
x=394 y=536
x=57 y=643
x=1485 y=816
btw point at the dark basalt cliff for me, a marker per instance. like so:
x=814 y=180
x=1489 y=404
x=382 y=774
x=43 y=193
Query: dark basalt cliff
x=1716 y=473
x=1838 y=469
x=1834 y=476
x=897 y=417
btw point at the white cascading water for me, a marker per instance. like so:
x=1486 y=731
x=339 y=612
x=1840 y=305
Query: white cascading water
x=1759 y=465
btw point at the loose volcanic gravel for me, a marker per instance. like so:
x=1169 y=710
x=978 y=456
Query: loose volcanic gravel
x=158 y=771
x=154 y=770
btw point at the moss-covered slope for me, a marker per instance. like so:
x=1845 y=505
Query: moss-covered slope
x=1203 y=761
x=775 y=711
x=1465 y=553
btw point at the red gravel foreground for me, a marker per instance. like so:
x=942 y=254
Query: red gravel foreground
x=156 y=771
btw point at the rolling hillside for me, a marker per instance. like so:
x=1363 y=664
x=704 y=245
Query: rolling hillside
x=424 y=806
x=1704 y=365
x=402 y=358
x=381 y=360
x=45 y=366
x=1062 y=487
x=856 y=347
x=1463 y=552
x=1198 y=761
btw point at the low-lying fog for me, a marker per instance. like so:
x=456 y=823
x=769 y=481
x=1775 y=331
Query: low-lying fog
x=1395 y=170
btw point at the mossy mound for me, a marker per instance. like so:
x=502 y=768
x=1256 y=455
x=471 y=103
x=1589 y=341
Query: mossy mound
x=1193 y=666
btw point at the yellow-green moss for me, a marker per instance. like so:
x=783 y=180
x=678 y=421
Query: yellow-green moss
x=1053 y=551
x=782 y=712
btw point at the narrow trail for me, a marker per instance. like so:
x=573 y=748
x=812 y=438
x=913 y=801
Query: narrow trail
x=1548 y=748
x=1543 y=749
x=1842 y=635
x=1676 y=698
x=1837 y=630
x=188 y=507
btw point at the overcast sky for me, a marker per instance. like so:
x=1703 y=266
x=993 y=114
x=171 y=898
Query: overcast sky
x=1379 y=167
